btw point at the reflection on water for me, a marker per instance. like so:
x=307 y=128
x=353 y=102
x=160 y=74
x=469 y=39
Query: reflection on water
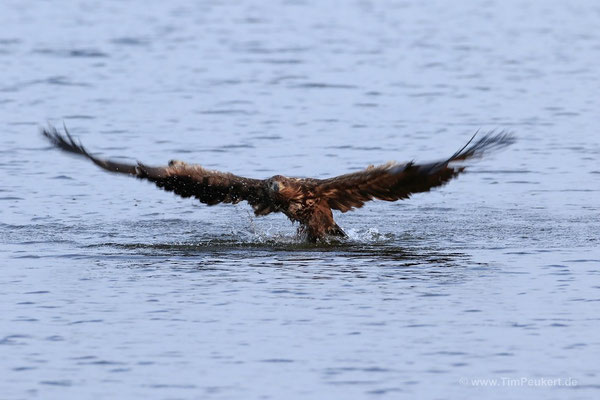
x=355 y=253
x=113 y=289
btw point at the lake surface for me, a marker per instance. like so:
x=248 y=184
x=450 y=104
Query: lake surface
x=486 y=288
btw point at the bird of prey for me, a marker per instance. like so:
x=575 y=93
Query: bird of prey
x=307 y=201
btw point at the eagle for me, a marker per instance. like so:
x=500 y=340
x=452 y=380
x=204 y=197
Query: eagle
x=308 y=201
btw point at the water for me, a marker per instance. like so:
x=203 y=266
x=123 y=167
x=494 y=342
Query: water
x=112 y=288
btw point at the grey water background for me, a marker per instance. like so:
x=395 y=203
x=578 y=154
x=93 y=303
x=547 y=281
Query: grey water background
x=110 y=288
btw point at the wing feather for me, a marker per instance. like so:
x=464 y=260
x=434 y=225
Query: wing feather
x=186 y=180
x=395 y=181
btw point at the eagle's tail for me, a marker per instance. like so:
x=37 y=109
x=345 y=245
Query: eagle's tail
x=69 y=145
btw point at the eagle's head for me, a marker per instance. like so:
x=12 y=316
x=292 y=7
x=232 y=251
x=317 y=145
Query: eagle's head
x=276 y=184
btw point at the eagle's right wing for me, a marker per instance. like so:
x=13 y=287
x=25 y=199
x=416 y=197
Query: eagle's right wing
x=209 y=186
x=395 y=181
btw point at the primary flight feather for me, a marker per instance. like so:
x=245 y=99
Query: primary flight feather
x=308 y=201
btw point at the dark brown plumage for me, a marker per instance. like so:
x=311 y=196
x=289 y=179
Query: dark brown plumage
x=305 y=200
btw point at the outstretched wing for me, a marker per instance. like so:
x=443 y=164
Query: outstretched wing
x=394 y=181
x=186 y=180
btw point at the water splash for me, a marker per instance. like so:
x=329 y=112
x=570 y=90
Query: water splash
x=369 y=235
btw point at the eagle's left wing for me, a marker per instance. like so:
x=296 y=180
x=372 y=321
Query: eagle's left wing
x=395 y=181
x=186 y=180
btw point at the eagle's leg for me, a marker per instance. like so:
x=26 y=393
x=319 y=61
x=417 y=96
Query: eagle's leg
x=314 y=235
x=335 y=230
x=320 y=224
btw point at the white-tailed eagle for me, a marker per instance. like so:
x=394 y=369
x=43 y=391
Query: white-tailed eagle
x=307 y=201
